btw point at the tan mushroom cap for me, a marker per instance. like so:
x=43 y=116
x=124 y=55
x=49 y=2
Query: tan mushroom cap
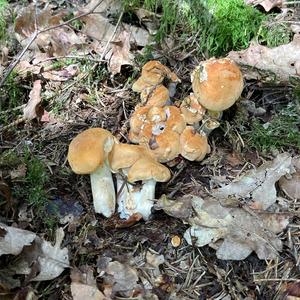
x=140 y=84
x=193 y=146
x=192 y=110
x=125 y=155
x=217 y=83
x=88 y=150
x=138 y=118
x=165 y=146
x=154 y=72
x=156 y=114
x=175 y=119
x=157 y=97
x=147 y=169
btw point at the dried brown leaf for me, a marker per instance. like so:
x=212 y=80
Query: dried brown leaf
x=13 y=240
x=270 y=64
x=291 y=186
x=43 y=259
x=20 y=171
x=266 y=4
x=84 y=286
x=133 y=219
x=258 y=185
x=122 y=278
x=56 y=42
x=61 y=75
x=120 y=54
x=181 y=208
x=31 y=109
x=237 y=231
x=24 y=68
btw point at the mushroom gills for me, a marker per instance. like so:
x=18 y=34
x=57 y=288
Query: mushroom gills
x=103 y=191
x=135 y=200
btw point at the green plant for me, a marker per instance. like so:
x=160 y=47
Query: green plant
x=273 y=35
x=3 y=7
x=282 y=131
x=13 y=92
x=233 y=25
x=36 y=178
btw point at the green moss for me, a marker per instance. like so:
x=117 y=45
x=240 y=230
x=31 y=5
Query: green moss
x=220 y=25
x=233 y=25
x=281 y=132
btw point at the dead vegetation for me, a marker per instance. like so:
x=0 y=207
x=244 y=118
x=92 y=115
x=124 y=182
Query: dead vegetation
x=61 y=75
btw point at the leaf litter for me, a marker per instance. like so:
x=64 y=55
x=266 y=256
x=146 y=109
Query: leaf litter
x=37 y=258
x=223 y=216
x=270 y=64
x=230 y=223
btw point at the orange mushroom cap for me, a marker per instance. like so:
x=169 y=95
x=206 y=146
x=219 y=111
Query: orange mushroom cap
x=217 y=83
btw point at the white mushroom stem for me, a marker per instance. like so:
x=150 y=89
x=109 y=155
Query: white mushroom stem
x=132 y=199
x=103 y=191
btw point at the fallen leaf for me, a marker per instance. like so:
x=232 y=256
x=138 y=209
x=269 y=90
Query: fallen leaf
x=153 y=262
x=61 y=75
x=122 y=278
x=149 y=19
x=13 y=240
x=258 y=185
x=233 y=159
x=133 y=219
x=266 y=4
x=97 y=27
x=291 y=186
x=24 y=68
x=120 y=54
x=84 y=286
x=45 y=260
x=31 y=108
x=270 y=64
x=235 y=232
x=56 y=42
x=181 y=209
x=19 y=172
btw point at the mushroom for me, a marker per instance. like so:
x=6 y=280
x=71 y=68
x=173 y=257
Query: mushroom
x=87 y=154
x=158 y=96
x=137 y=121
x=217 y=83
x=164 y=143
x=192 y=110
x=138 y=164
x=160 y=131
x=153 y=74
x=193 y=145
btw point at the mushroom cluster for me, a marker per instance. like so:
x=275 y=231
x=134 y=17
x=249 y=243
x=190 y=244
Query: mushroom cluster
x=96 y=152
x=162 y=131
x=167 y=130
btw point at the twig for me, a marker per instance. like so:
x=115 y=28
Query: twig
x=66 y=57
x=112 y=36
x=37 y=32
x=13 y=65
